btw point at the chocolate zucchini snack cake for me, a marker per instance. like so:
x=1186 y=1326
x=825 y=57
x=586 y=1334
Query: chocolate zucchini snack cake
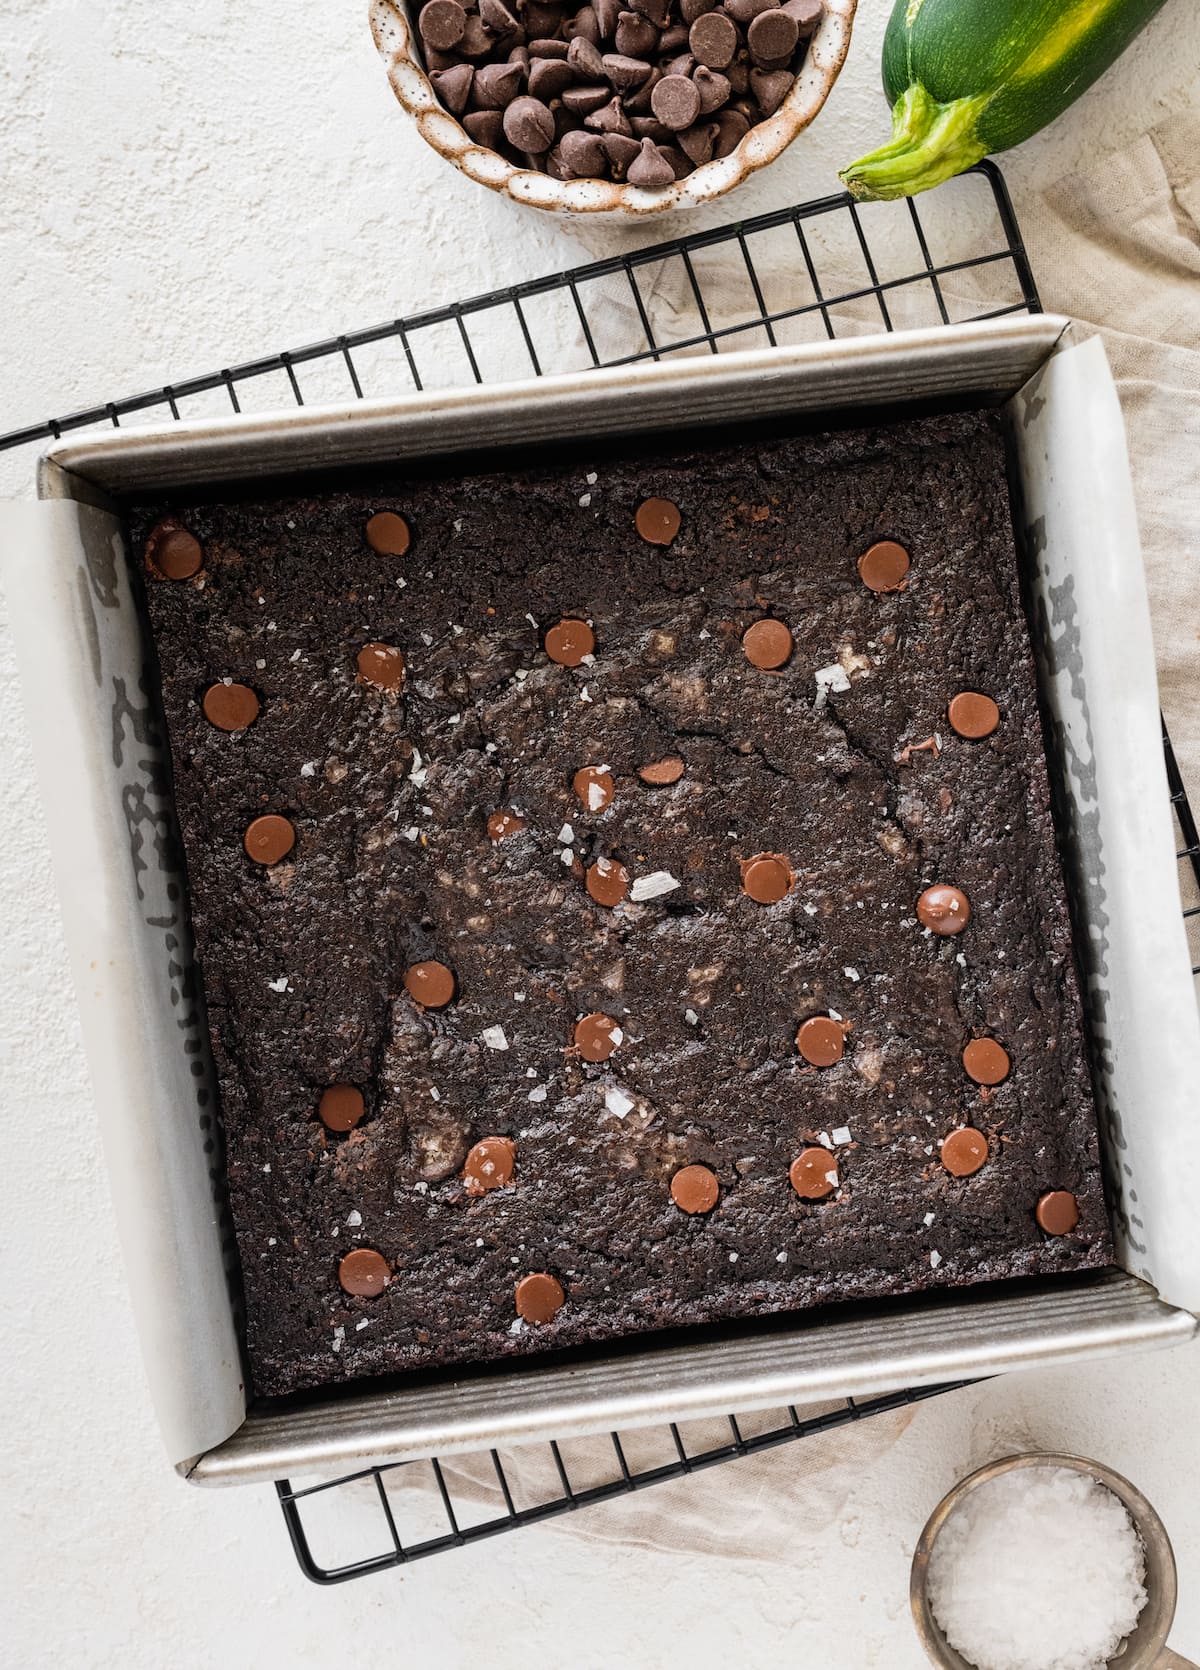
x=625 y=892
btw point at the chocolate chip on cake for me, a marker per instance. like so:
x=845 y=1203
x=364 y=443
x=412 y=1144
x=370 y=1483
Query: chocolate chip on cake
x=539 y=1297
x=597 y=1036
x=387 y=532
x=269 y=838
x=172 y=553
x=364 y=1273
x=821 y=1041
x=659 y=772
x=767 y=877
x=768 y=644
x=695 y=1189
x=964 y=1151
x=657 y=520
x=986 y=1061
x=884 y=566
x=1057 y=1212
x=973 y=715
x=230 y=707
x=489 y=1165
x=607 y=882
x=570 y=641
x=814 y=1174
x=341 y=1107
x=593 y=785
x=943 y=910
x=501 y=825
x=381 y=665
x=431 y=984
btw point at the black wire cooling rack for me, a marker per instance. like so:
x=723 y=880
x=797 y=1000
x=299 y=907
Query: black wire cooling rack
x=815 y=271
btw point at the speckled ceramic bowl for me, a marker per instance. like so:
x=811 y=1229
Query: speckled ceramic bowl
x=393 y=32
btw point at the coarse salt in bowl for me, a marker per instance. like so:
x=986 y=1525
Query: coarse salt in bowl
x=396 y=42
x=1040 y=1568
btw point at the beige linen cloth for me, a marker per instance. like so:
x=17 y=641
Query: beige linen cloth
x=1118 y=247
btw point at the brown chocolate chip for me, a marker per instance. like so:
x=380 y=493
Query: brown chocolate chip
x=821 y=1041
x=676 y=102
x=813 y=1174
x=341 y=1107
x=625 y=73
x=548 y=78
x=549 y=49
x=649 y=127
x=477 y=42
x=442 y=23
x=636 y=37
x=486 y=127
x=388 y=533
x=268 y=839
x=364 y=1273
x=713 y=88
x=943 y=910
x=658 y=772
x=732 y=128
x=583 y=154
x=884 y=567
x=772 y=34
x=594 y=786
x=519 y=55
x=738 y=75
x=501 y=825
x=172 y=553
x=685 y=64
x=430 y=984
x=807 y=13
x=745 y=11
x=657 y=520
x=713 y=40
x=973 y=715
x=607 y=882
x=585 y=26
x=496 y=15
x=657 y=11
x=489 y=1165
x=767 y=877
x=610 y=118
x=695 y=1189
x=640 y=101
x=539 y=1297
x=770 y=88
x=585 y=101
x=453 y=86
x=697 y=143
x=1057 y=1212
x=585 y=60
x=381 y=665
x=529 y=125
x=230 y=707
x=767 y=644
x=608 y=13
x=986 y=1061
x=651 y=170
x=621 y=150
x=674 y=39
x=596 y=1036
x=497 y=85
x=569 y=640
x=690 y=10
x=964 y=1151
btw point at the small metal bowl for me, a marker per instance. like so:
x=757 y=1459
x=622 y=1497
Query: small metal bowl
x=1145 y=1648
x=393 y=32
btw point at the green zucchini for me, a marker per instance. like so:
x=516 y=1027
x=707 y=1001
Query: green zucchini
x=969 y=77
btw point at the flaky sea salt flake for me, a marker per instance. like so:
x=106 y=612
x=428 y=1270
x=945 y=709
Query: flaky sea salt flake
x=652 y=886
x=618 y=1101
x=280 y=985
x=493 y=1037
x=841 y=1136
x=538 y=1093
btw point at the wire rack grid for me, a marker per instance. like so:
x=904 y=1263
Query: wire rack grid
x=815 y=271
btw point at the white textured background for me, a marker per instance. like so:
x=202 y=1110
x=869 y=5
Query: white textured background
x=184 y=185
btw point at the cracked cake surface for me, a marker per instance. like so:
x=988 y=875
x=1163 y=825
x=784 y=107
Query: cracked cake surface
x=592 y=854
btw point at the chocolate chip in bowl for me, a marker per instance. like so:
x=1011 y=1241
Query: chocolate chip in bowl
x=606 y=108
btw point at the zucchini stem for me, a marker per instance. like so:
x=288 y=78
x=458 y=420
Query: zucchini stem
x=930 y=143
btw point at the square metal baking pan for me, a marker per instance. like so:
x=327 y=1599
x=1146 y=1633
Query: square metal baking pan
x=705 y=1371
